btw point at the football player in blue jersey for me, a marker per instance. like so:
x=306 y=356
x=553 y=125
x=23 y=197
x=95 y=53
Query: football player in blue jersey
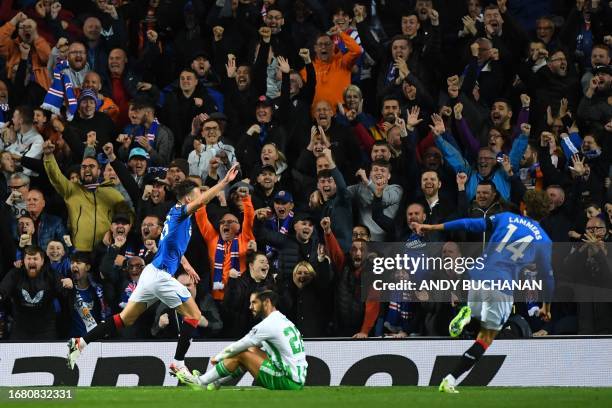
x=516 y=241
x=157 y=280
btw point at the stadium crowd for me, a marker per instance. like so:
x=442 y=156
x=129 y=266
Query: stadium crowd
x=349 y=120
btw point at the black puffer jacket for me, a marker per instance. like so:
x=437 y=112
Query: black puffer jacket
x=290 y=250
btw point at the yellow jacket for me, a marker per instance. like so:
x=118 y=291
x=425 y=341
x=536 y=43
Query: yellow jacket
x=89 y=212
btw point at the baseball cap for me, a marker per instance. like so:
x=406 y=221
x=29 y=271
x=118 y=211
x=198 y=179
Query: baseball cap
x=121 y=219
x=263 y=101
x=159 y=180
x=138 y=152
x=604 y=69
x=239 y=184
x=303 y=216
x=200 y=53
x=217 y=116
x=80 y=256
x=283 y=197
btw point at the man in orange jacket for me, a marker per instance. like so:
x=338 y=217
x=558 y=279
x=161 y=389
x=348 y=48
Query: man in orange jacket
x=333 y=68
x=227 y=248
x=29 y=43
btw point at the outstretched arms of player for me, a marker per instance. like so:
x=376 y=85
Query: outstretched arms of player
x=212 y=192
x=462 y=224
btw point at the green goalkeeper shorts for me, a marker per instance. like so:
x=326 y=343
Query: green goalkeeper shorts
x=272 y=378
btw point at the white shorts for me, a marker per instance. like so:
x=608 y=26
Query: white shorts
x=492 y=308
x=156 y=284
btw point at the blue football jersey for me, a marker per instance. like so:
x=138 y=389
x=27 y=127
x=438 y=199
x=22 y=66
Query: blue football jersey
x=173 y=240
x=515 y=243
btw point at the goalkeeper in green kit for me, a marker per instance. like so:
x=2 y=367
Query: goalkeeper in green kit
x=281 y=365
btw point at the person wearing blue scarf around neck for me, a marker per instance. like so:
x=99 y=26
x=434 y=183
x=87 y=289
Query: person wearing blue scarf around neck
x=91 y=205
x=146 y=132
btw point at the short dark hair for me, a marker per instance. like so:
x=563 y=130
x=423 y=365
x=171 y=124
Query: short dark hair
x=409 y=12
x=419 y=204
x=274 y=7
x=381 y=163
x=184 y=188
x=251 y=256
x=267 y=295
x=325 y=173
x=46 y=113
x=390 y=98
x=159 y=218
x=190 y=70
x=32 y=250
x=77 y=169
x=27 y=114
x=503 y=100
x=364 y=227
x=431 y=171
x=382 y=142
x=400 y=37
x=488 y=183
x=340 y=5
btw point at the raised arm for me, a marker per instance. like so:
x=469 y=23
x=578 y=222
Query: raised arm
x=211 y=193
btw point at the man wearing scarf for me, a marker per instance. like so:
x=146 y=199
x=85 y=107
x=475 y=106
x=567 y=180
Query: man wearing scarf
x=227 y=248
x=281 y=221
x=91 y=206
x=156 y=139
x=86 y=299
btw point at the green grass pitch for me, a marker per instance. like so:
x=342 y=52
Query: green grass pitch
x=318 y=397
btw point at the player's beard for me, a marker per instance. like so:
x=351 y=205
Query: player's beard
x=258 y=314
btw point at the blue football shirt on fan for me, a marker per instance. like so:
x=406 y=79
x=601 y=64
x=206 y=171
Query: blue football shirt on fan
x=174 y=239
x=515 y=243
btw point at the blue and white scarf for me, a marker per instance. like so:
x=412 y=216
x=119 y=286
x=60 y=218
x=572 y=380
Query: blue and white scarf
x=275 y=225
x=62 y=85
x=220 y=258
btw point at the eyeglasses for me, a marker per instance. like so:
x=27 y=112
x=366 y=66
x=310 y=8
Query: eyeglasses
x=324 y=44
x=229 y=222
x=17 y=187
x=150 y=225
x=210 y=129
x=88 y=166
x=560 y=59
x=76 y=53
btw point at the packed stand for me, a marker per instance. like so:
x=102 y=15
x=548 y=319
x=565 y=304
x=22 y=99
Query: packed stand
x=349 y=120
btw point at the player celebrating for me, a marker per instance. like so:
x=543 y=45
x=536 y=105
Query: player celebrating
x=281 y=367
x=516 y=241
x=157 y=279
